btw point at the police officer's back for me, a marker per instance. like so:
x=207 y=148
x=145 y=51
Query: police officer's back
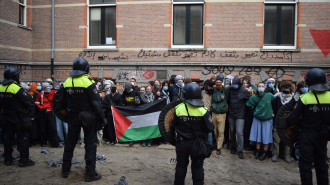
x=17 y=109
x=83 y=102
x=313 y=109
x=191 y=120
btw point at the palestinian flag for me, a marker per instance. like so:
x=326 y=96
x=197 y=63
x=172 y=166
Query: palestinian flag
x=134 y=123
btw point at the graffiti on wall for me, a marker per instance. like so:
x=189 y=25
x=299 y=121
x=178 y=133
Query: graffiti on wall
x=188 y=54
x=137 y=74
x=322 y=40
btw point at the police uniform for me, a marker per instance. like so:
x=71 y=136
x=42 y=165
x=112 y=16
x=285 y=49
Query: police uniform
x=197 y=123
x=314 y=131
x=81 y=95
x=16 y=106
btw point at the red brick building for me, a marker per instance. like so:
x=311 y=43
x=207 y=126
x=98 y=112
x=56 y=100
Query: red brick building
x=153 y=39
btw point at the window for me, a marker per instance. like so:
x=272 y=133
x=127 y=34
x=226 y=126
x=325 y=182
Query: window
x=22 y=12
x=188 y=23
x=280 y=24
x=102 y=23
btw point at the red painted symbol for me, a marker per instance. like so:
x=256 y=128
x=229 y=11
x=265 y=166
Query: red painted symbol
x=322 y=40
x=148 y=74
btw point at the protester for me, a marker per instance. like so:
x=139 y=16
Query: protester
x=312 y=114
x=270 y=86
x=262 y=125
x=130 y=96
x=176 y=89
x=112 y=99
x=207 y=100
x=236 y=115
x=249 y=113
x=44 y=102
x=17 y=109
x=188 y=131
x=155 y=89
x=134 y=84
x=219 y=109
x=34 y=131
x=187 y=81
x=148 y=96
x=281 y=98
x=164 y=91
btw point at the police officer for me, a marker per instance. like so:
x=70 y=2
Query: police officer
x=314 y=110
x=17 y=110
x=81 y=96
x=191 y=119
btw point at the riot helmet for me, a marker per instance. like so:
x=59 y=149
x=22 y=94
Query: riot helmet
x=193 y=94
x=316 y=80
x=80 y=66
x=10 y=74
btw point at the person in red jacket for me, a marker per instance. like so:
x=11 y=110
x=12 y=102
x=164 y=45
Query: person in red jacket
x=46 y=116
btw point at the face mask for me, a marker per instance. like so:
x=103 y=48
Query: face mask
x=127 y=89
x=271 y=85
x=132 y=83
x=148 y=92
x=157 y=86
x=235 y=86
x=244 y=86
x=107 y=87
x=180 y=84
x=26 y=87
x=286 y=96
x=286 y=92
x=261 y=89
x=165 y=88
x=47 y=89
x=39 y=88
x=304 y=90
x=113 y=90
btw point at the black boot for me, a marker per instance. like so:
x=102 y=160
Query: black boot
x=240 y=155
x=26 y=162
x=233 y=150
x=257 y=154
x=92 y=177
x=263 y=156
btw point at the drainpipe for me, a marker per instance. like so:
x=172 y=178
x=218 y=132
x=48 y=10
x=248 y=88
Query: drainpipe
x=52 y=51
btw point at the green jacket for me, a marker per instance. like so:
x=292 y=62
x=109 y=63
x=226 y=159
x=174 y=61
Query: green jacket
x=220 y=100
x=262 y=109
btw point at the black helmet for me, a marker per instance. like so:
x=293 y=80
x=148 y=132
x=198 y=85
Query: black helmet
x=193 y=94
x=10 y=74
x=80 y=66
x=316 y=80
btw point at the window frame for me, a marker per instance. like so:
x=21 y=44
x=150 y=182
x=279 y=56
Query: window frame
x=24 y=13
x=283 y=2
x=172 y=26
x=89 y=6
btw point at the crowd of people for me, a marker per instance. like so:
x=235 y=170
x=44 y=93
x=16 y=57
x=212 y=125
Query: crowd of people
x=242 y=112
x=238 y=115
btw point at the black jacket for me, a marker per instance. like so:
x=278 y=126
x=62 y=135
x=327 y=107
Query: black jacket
x=237 y=100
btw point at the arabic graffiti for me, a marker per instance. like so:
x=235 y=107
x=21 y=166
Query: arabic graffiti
x=91 y=55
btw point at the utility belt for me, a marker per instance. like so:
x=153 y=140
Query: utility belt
x=190 y=118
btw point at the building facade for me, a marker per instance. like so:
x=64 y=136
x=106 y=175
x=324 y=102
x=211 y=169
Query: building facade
x=153 y=39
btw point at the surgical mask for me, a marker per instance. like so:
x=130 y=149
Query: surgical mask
x=165 y=88
x=304 y=90
x=39 y=88
x=132 y=83
x=271 y=85
x=113 y=90
x=47 y=89
x=148 y=92
x=26 y=87
x=261 y=89
x=235 y=86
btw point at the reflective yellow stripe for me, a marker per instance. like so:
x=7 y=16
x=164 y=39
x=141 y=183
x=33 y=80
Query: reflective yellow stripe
x=309 y=98
x=193 y=111
x=80 y=81
x=13 y=88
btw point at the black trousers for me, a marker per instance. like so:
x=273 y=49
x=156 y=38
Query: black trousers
x=247 y=126
x=185 y=149
x=90 y=144
x=313 y=148
x=48 y=130
x=109 y=132
x=10 y=128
